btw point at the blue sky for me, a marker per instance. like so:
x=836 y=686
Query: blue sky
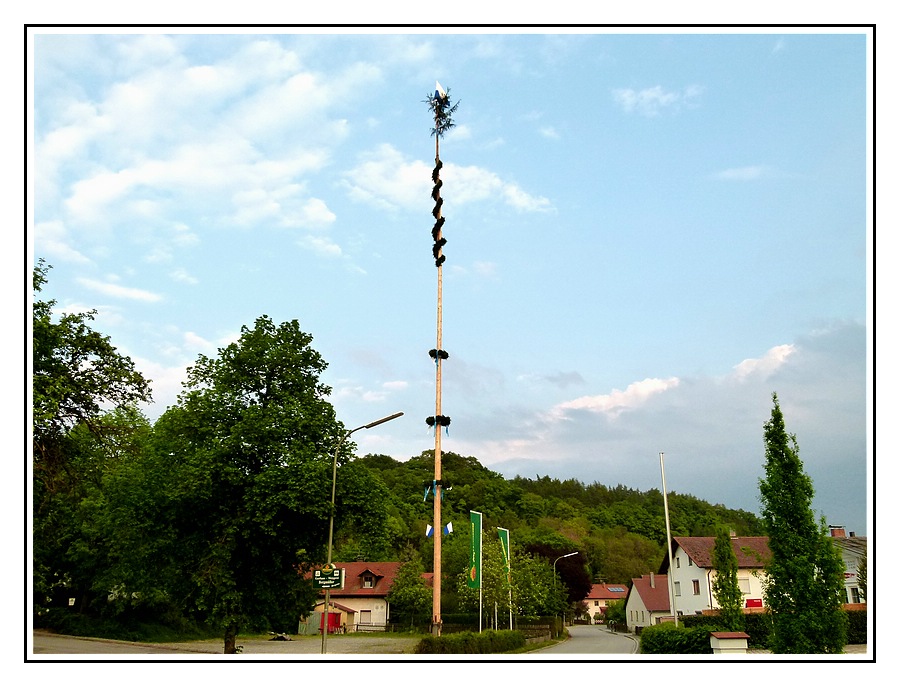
x=648 y=235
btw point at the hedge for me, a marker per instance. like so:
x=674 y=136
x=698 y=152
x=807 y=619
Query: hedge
x=759 y=627
x=487 y=642
x=665 y=638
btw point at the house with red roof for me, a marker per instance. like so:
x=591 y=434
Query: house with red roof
x=693 y=571
x=600 y=596
x=362 y=602
x=647 y=602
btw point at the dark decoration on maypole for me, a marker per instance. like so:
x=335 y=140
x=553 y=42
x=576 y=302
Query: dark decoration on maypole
x=443 y=111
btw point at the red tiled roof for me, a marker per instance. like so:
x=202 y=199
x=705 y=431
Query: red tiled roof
x=655 y=597
x=607 y=591
x=355 y=573
x=751 y=552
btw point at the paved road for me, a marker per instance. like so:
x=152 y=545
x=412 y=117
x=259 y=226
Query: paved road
x=593 y=639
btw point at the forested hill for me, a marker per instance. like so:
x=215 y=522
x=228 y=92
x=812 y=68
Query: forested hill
x=620 y=531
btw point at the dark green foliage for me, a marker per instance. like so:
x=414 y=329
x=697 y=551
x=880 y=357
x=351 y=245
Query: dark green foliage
x=804 y=585
x=725 y=587
x=857 y=628
x=76 y=372
x=619 y=532
x=157 y=626
x=250 y=445
x=666 y=638
x=486 y=642
x=410 y=596
x=757 y=625
x=443 y=113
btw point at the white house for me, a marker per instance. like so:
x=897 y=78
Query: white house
x=693 y=572
x=647 y=602
x=853 y=552
x=362 y=603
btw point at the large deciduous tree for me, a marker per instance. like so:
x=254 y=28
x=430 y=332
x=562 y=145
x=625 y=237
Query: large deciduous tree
x=83 y=420
x=804 y=584
x=251 y=441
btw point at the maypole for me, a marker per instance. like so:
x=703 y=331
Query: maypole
x=439 y=104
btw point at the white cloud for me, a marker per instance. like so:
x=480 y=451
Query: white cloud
x=765 y=366
x=118 y=291
x=385 y=178
x=52 y=241
x=322 y=246
x=182 y=276
x=617 y=401
x=655 y=100
x=549 y=132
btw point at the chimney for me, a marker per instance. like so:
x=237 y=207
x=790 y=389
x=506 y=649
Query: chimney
x=652 y=581
x=837 y=531
x=853 y=534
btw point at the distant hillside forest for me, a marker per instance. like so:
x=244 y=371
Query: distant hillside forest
x=620 y=532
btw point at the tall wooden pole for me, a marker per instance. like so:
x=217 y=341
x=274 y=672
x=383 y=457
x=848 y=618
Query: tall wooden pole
x=436 y=601
x=443 y=111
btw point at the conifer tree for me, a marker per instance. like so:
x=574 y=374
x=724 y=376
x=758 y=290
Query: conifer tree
x=725 y=585
x=804 y=584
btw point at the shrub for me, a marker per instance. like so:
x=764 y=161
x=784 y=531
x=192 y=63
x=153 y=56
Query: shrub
x=668 y=639
x=857 y=630
x=487 y=642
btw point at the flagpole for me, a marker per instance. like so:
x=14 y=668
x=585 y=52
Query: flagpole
x=503 y=533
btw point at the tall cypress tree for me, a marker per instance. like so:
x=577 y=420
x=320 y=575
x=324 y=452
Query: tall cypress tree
x=725 y=585
x=804 y=584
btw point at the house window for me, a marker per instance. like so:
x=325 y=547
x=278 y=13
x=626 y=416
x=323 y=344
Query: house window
x=368 y=582
x=854 y=595
x=744 y=585
x=365 y=617
x=696 y=584
x=678 y=589
x=677 y=562
x=690 y=562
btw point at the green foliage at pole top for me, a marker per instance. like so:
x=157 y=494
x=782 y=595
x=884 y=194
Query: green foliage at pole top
x=443 y=113
x=804 y=578
x=725 y=586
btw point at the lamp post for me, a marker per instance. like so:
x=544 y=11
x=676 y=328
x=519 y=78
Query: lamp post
x=331 y=517
x=662 y=468
x=574 y=553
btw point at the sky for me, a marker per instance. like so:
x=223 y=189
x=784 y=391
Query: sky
x=648 y=234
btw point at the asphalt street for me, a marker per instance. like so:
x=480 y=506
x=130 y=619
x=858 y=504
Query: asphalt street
x=593 y=639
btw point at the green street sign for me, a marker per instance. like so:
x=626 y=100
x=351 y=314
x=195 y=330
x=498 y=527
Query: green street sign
x=328 y=577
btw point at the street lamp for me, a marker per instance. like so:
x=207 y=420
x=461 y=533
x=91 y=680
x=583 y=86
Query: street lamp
x=662 y=469
x=574 y=553
x=331 y=517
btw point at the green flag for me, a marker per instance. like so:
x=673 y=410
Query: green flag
x=504 y=544
x=473 y=579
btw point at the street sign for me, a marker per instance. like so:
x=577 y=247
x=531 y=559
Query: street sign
x=328 y=577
